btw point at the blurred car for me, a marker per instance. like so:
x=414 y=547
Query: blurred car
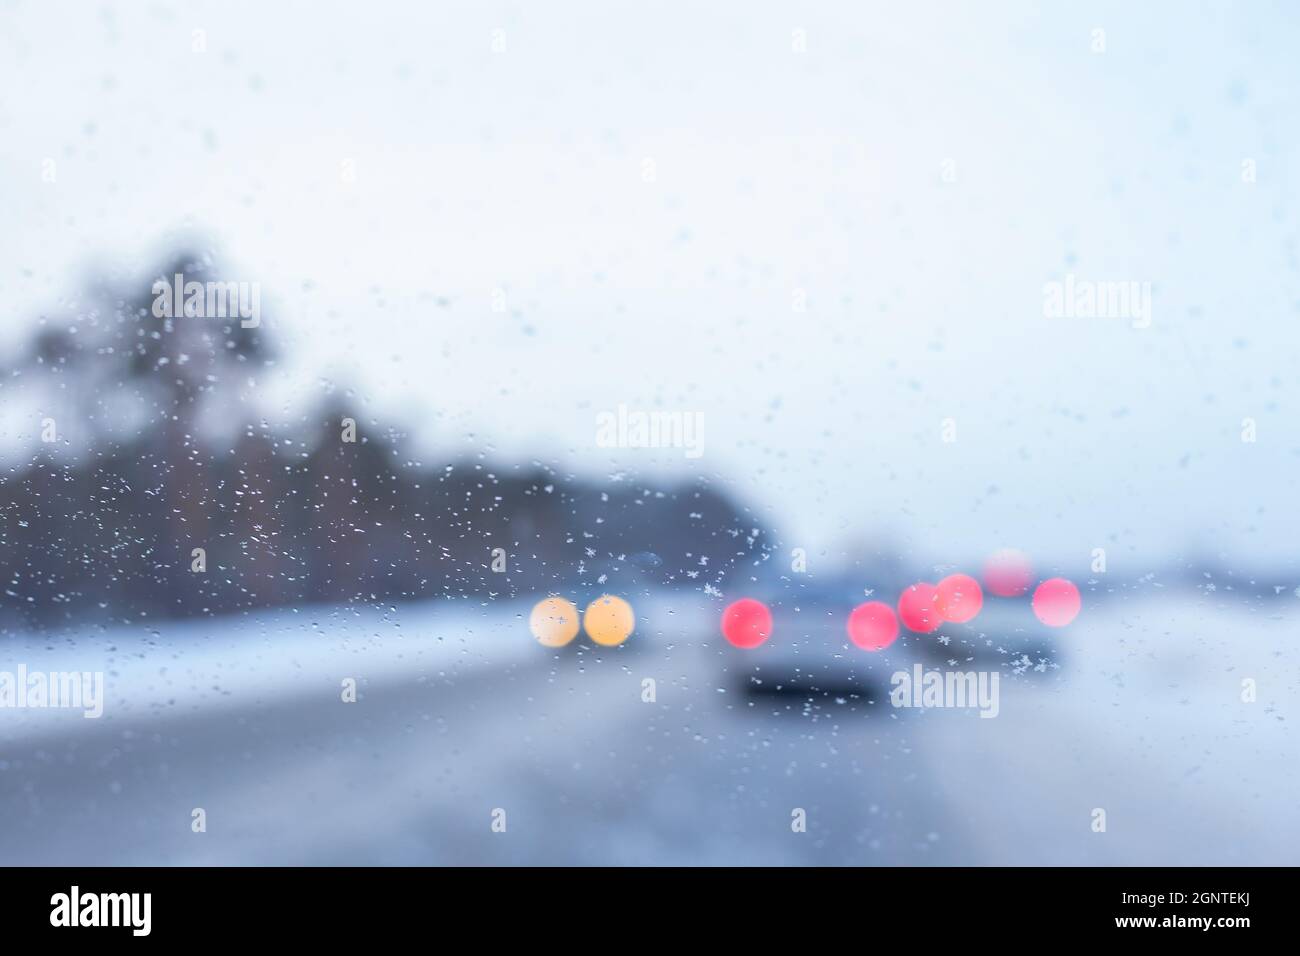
x=809 y=651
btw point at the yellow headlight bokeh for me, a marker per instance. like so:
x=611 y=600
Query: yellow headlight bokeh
x=609 y=620
x=554 y=621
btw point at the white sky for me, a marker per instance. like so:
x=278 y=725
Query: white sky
x=774 y=172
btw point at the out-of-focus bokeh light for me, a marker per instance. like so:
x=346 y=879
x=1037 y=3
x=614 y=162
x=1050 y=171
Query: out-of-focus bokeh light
x=1008 y=573
x=1057 y=602
x=873 y=626
x=609 y=620
x=916 y=607
x=747 y=623
x=959 y=598
x=554 y=621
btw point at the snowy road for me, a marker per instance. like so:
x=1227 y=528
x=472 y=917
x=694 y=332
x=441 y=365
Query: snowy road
x=461 y=714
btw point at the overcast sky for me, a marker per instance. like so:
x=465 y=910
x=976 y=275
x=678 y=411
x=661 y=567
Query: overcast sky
x=653 y=189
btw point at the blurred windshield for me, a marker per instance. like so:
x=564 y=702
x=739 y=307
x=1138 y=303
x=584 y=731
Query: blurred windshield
x=451 y=434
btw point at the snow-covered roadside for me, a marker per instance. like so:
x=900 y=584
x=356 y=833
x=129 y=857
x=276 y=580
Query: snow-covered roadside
x=1147 y=722
x=231 y=662
x=183 y=666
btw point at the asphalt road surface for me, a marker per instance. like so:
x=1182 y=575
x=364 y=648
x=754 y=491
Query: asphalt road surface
x=461 y=715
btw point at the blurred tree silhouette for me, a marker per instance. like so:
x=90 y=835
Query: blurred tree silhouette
x=167 y=456
x=117 y=348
